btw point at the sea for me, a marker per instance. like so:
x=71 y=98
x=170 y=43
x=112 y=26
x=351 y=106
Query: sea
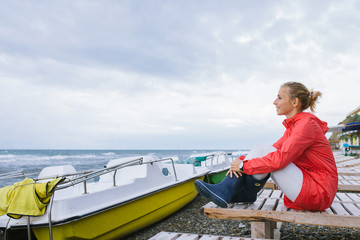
x=32 y=161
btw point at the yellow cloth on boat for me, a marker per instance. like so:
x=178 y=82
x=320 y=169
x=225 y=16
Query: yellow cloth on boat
x=26 y=198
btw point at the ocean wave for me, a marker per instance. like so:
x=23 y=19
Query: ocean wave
x=84 y=156
x=109 y=154
x=7 y=160
x=54 y=157
x=7 y=156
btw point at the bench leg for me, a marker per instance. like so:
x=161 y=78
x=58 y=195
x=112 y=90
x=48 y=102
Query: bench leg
x=263 y=229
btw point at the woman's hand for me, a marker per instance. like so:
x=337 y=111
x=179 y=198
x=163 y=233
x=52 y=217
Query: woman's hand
x=235 y=168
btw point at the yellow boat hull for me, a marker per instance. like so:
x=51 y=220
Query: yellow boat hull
x=124 y=219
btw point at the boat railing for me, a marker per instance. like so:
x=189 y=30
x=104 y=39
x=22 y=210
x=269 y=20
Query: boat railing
x=214 y=157
x=238 y=153
x=85 y=176
x=14 y=174
x=217 y=155
x=230 y=154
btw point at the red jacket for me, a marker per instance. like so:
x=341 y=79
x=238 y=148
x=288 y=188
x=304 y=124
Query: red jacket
x=303 y=143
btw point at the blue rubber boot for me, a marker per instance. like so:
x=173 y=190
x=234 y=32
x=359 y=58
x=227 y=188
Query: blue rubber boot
x=248 y=193
x=221 y=193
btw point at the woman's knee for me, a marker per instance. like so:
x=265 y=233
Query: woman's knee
x=260 y=151
x=260 y=176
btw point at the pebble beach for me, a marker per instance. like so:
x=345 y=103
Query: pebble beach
x=190 y=220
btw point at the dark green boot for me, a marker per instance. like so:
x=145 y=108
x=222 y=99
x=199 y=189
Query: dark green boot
x=248 y=194
x=221 y=193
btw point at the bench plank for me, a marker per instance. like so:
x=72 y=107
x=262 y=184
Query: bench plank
x=351 y=163
x=191 y=236
x=344 y=160
x=281 y=206
x=166 y=236
x=349 y=204
x=210 y=238
x=270 y=203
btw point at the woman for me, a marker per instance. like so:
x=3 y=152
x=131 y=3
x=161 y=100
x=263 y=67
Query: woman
x=301 y=163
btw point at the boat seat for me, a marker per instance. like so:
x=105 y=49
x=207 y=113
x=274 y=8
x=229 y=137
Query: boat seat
x=56 y=171
x=269 y=209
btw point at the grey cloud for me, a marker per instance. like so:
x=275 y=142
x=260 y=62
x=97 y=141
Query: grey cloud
x=157 y=38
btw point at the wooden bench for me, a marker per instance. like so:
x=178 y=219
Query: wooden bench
x=349 y=172
x=346 y=164
x=342 y=159
x=190 y=236
x=270 y=209
x=349 y=183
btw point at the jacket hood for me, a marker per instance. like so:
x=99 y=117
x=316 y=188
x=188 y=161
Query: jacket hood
x=291 y=121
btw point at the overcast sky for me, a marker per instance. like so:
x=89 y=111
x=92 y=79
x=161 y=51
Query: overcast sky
x=169 y=74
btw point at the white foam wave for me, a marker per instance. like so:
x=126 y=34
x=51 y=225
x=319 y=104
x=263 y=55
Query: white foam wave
x=7 y=156
x=54 y=157
x=109 y=154
x=7 y=160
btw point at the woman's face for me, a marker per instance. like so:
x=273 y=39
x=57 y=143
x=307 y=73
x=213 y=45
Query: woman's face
x=285 y=106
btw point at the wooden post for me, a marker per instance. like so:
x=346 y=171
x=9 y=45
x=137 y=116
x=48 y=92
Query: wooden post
x=263 y=229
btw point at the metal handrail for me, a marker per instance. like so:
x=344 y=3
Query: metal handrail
x=49 y=217
x=14 y=174
x=232 y=156
x=93 y=174
x=217 y=154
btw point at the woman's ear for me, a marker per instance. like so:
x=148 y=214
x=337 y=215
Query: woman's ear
x=295 y=102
